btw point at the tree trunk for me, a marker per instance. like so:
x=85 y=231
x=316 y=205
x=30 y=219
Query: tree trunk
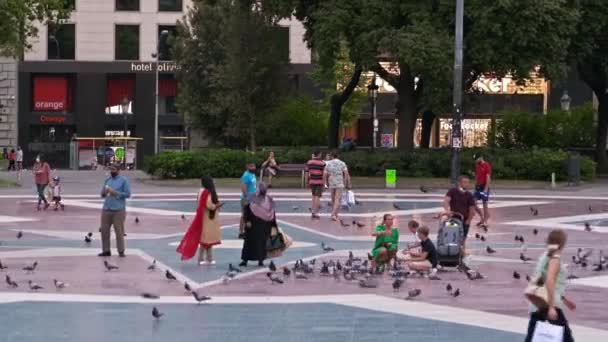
x=407 y=113
x=428 y=118
x=602 y=133
x=334 y=121
x=336 y=102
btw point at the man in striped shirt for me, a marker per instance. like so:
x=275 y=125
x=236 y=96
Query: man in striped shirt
x=314 y=178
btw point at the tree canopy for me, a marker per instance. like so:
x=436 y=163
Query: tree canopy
x=20 y=19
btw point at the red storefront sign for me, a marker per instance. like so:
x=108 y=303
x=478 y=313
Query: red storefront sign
x=52 y=119
x=51 y=94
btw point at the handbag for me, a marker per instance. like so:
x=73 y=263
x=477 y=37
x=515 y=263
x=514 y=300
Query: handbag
x=547 y=332
x=536 y=292
x=275 y=240
x=288 y=241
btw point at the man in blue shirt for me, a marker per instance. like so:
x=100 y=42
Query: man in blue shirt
x=115 y=191
x=248 y=188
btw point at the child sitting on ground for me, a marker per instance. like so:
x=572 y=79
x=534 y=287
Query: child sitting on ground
x=412 y=247
x=426 y=260
x=56 y=193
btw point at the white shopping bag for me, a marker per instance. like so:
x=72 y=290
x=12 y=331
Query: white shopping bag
x=344 y=199
x=351 y=197
x=547 y=332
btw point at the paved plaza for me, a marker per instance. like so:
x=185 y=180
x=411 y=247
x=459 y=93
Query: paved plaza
x=108 y=306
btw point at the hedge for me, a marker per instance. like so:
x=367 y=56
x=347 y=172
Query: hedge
x=534 y=164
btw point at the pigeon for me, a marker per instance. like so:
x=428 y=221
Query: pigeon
x=587 y=227
x=326 y=248
x=183 y=217
x=369 y=283
x=599 y=267
x=148 y=295
x=535 y=212
x=456 y=293
x=324 y=269
x=234 y=269
x=411 y=294
x=360 y=224
x=423 y=189
x=31 y=268
x=396 y=206
x=11 y=282
x=521 y=239
x=2 y=266
x=572 y=276
x=528 y=279
x=516 y=275
x=473 y=275
x=489 y=250
x=157 y=314
x=152 y=266
x=339 y=265
x=231 y=274
x=535 y=231
x=274 y=278
x=299 y=275
x=136 y=220
x=590 y=209
x=286 y=271
x=477 y=236
x=169 y=275
x=532 y=209
x=524 y=258
x=34 y=286
x=483 y=238
x=344 y=223
x=226 y=279
x=433 y=276
x=397 y=284
x=448 y=288
x=187 y=287
x=88 y=237
x=272 y=267
x=19 y=234
x=109 y=266
x=348 y=276
x=59 y=284
x=200 y=298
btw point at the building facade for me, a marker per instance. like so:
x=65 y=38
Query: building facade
x=96 y=73
x=8 y=103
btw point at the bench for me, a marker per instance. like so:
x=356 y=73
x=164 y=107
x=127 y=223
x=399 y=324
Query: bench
x=295 y=170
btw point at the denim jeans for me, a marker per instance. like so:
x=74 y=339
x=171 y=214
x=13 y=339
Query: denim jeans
x=41 y=198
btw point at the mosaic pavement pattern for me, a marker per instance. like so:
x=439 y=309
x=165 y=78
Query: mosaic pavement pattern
x=107 y=306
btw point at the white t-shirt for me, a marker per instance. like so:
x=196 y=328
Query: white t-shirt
x=19 y=156
x=335 y=169
x=57 y=190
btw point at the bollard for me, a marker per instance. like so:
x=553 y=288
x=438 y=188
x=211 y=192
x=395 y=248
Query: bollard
x=553 y=180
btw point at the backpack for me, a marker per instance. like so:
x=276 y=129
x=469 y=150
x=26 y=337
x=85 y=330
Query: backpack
x=450 y=238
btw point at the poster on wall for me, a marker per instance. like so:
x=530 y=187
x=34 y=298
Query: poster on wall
x=387 y=140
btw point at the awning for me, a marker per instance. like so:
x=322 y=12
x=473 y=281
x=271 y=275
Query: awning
x=118 y=89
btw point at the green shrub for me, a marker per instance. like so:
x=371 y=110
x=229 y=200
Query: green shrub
x=532 y=164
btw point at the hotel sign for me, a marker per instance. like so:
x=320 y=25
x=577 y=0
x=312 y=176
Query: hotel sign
x=153 y=67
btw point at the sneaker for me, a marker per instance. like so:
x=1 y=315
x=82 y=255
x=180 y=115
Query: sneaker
x=122 y=254
x=212 y=262
x=204 y=262
x=243 y=264
x=104 y=254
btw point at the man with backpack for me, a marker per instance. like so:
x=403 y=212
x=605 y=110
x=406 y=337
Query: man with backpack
x=460 y=201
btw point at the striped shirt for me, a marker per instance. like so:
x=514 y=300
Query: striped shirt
x=315 y=168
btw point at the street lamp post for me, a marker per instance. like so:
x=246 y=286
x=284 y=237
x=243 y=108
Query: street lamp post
x=457 y=95
x=163 y=35
x=124 y=105
x=565 y=101
x=372 y=93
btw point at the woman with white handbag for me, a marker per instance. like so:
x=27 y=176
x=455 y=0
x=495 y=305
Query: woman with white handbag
x=546 y=294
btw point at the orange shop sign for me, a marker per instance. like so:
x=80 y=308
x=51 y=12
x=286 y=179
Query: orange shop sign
x=53 y=119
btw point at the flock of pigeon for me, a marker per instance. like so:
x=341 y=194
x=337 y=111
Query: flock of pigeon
x=30 y=269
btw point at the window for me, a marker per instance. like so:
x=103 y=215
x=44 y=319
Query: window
x=118 y=89
x=164 y=41
x=69 y=4
x=167 y=92
x=281 y=39
x=127 y=5
x=126 y=42
x=62 y=41
x=170 y=5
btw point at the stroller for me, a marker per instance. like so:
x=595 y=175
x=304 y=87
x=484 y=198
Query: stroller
x=449 y=241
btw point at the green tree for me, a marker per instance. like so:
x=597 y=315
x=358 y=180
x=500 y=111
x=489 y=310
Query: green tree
x=20 y=19
x=409 y=44
x=298 y=121
x=232 y=68
x=589 y=54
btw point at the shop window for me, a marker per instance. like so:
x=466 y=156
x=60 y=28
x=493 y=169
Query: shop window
x=167 y=93
x=51 y=134
x=165 y=41
x=61 y=41
x=126 y=42
x=127 y=5
x=170 y=5
x=118 y=91
x=51 y=94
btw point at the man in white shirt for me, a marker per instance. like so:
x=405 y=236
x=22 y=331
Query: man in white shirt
x=336 y=178
x=19 y=158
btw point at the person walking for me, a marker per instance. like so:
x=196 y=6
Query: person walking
x=270 y=168
x=313 y=175
x=42 y=176
x=260 y=218
x=11 y=161
x=19 y=158
x=459 y=200
x=115 y=191
x=336 y=178
x=553 y=274
x=248 y=188
x=483 y=176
